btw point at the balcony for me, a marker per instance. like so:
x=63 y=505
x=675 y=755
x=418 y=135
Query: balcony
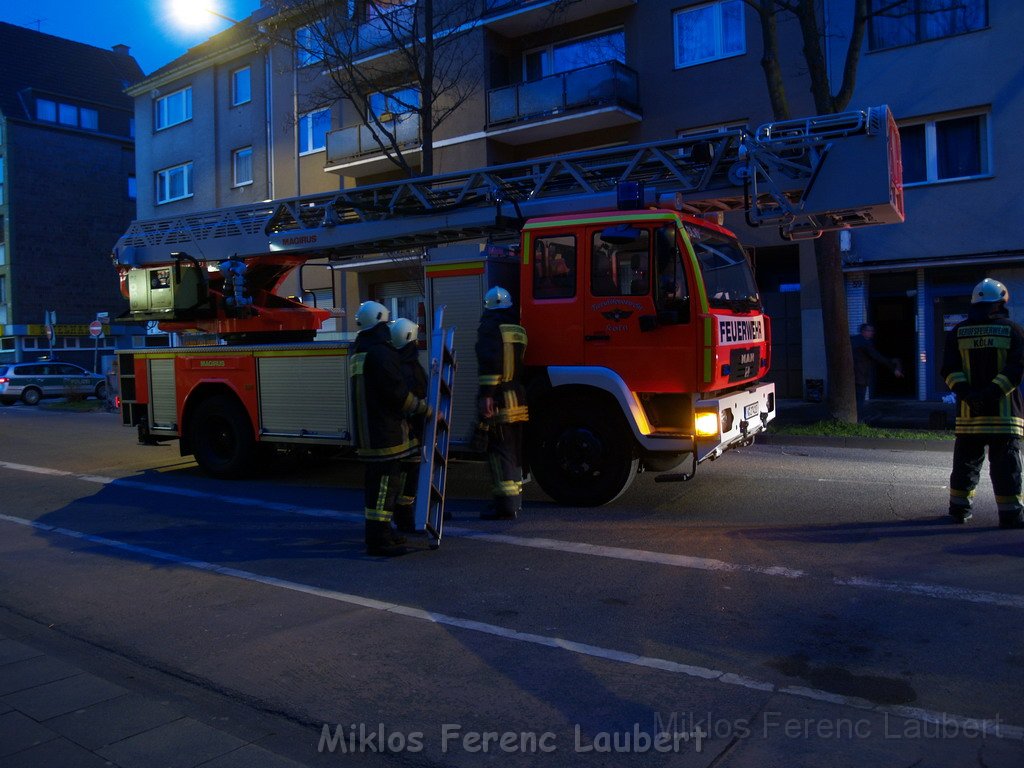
x=592 y=98
x=354 y=151
x=515 y=18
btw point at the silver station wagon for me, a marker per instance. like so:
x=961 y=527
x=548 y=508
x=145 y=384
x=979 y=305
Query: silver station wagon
x=31 y=382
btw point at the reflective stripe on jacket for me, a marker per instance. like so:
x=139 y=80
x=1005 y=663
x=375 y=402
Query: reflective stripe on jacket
x=984 y=364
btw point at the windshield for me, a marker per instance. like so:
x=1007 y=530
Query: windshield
x=728 y=280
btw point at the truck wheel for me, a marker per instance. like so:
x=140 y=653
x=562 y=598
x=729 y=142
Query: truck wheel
x=582 y=453
x=222 y=437
x=31 y=396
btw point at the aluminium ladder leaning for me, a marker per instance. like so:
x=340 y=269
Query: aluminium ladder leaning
x=429 y=510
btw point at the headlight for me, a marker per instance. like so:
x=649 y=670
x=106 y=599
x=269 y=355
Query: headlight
x=706 y=424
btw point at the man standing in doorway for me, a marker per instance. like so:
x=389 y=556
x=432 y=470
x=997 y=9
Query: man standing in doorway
x=865 y=358
x=984 y=366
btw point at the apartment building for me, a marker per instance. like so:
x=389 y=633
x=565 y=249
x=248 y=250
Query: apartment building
x=67 y=191
x=243 y=118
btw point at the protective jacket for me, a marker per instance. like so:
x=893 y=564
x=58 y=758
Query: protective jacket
x=984 y=364
x=381 y=398
x=416 y=380
x=500 y=345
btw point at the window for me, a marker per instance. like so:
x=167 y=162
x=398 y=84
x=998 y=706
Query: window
x=397 y=102
x=241 y=86
x=709 y=32
x=554 y=267
x=621 y=268
x=241 y=162
x=313 y=128
x=575 y=54
x=174 y=183
x=133 y=188
x=915 y=21
x=46 y=110
x=67 y=114
x=945 y=149
x=309 y=44
x=174 y=108
x=89 y=119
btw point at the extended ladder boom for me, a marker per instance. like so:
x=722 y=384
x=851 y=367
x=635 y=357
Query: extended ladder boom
x=808 y=175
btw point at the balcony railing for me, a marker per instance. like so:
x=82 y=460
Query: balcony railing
x=349 y=144
x=607 y=84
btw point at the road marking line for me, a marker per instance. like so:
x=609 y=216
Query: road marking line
x=936 y=591
x=991 y=727
x=879 y=482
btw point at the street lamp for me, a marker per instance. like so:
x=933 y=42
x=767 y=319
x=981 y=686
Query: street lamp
x=196 y=14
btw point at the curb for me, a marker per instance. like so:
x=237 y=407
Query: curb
x=873 y=443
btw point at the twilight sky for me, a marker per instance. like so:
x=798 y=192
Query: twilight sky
x=149 y=27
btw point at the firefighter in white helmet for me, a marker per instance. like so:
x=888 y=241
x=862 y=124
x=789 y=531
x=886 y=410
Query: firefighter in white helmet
x=984 y=366
x=404 y=338
x=500 y=345
x=381 y=403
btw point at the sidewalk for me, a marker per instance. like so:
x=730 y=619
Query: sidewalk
x=54 y=714
x=882 y=414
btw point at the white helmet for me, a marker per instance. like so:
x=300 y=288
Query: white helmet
x=403 y=331
x=370 y=313
x=989 y=290
x=497 y=298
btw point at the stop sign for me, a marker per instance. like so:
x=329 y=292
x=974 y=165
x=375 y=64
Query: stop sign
x=95 y=329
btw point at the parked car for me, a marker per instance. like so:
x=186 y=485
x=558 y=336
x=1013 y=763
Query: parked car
x=31 y=382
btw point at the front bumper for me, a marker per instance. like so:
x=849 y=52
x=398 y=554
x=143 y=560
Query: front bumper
x=741 y=415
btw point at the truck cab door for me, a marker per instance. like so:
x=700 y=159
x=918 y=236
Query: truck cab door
x=637 y=318
x=551 y=294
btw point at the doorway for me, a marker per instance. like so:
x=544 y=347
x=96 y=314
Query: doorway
x=892 y=309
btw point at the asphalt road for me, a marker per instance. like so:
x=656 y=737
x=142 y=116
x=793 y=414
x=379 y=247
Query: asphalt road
x=789 y=606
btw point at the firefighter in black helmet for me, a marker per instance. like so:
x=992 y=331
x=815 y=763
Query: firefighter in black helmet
x=382 y=404
x=500 y=344
x=984 y=365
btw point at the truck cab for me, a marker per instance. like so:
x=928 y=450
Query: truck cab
x=646 y=345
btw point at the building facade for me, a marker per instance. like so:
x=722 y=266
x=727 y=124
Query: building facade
x=67 y=191
x=248 y=116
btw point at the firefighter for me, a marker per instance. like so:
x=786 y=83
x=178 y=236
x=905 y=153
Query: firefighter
x=404 y=337
x=382 y=404
x=500 y=344
x=984 y=365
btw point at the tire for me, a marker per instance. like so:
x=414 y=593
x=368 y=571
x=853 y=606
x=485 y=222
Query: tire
x=581 y=452
x=31 y=396
x=222 y=437
x=101 y=391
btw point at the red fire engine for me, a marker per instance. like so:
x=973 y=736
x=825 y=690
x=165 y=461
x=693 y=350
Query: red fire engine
x=647 y=343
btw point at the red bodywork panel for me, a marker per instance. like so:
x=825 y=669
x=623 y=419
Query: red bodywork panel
x=582 y=302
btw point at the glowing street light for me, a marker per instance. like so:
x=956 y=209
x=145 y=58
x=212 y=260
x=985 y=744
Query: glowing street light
x=196 y=14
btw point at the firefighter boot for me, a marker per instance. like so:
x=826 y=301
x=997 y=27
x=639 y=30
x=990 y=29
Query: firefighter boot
x=379 y=541
x=960 y=515
x=404 y=520
x=1011 y=519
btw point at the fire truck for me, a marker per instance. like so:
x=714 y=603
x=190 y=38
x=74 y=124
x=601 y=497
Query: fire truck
x=648 y=347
